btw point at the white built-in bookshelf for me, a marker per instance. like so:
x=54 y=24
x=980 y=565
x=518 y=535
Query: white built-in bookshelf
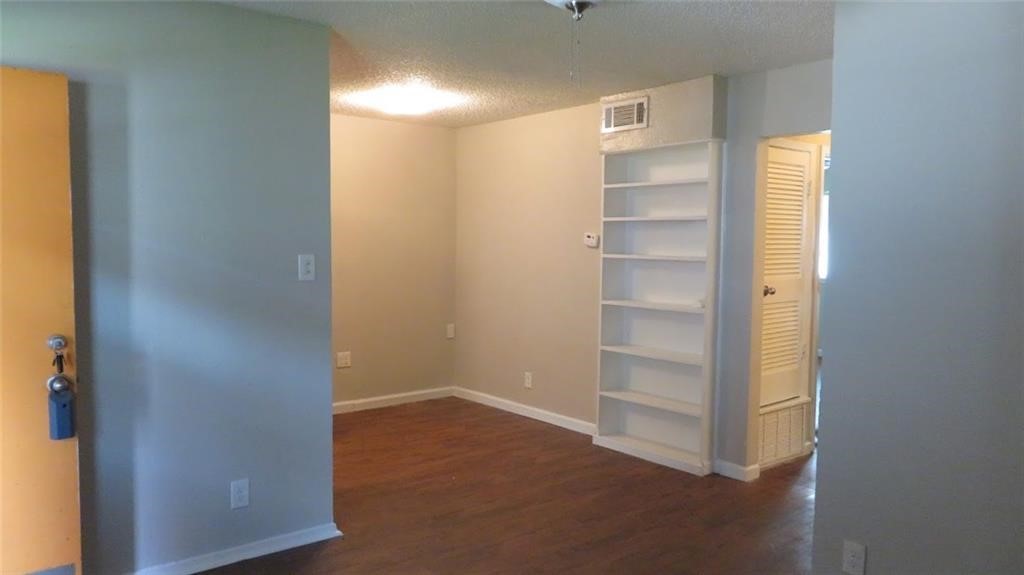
x=658 y=286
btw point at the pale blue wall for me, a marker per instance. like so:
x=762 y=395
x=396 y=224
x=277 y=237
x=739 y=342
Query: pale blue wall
x=921 y=452
x=780 y=102
x=200 y=170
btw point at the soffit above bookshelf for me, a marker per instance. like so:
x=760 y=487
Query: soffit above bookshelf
x=689 y=111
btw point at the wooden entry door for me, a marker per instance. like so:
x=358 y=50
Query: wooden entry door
x=787 y=287
x=39 y=494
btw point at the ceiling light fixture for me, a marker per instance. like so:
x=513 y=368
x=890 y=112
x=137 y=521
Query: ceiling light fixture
x=576 y=8
x=414 y=97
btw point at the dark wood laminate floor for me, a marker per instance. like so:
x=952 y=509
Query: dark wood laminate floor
x=449 y=486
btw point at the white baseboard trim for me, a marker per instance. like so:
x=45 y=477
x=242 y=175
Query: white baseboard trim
x=243 y=552
x=570 y=423
x=653 y=454
x=734 y=471
x=564 y=421
x=393 y=399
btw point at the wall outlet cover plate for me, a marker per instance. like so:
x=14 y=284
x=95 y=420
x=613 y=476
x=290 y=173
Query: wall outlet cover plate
x=853 y=557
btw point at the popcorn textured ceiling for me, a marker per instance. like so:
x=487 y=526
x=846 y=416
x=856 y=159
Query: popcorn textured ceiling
x=513 y=58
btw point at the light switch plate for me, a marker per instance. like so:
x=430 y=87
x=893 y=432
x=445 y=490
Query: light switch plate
x=307 y=267
x=449 y=331
x=343 y=360
x=240 y=493
x=591 y=239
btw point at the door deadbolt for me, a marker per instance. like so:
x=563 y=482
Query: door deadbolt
x=57 y=343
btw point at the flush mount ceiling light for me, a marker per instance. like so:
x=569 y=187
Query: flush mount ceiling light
x=411 y=98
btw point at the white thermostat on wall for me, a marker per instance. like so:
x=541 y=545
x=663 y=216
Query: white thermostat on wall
x=591 y=240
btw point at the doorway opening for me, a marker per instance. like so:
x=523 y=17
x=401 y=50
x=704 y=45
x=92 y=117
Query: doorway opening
x=790 y=264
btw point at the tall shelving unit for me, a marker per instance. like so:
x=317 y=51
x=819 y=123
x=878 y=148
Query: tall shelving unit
x=658 y=286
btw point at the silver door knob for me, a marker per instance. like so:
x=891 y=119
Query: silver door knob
x=768 y=290
x=58 y=382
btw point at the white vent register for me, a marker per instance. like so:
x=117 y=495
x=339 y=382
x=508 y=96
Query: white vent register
x=625 y=115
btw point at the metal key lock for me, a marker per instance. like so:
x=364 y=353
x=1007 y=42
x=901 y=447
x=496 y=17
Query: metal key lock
x=61 y=396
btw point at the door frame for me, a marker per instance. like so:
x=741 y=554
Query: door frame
x=757 y=285
x=825 y=150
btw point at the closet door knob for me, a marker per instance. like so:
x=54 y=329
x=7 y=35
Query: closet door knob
x=768 y=290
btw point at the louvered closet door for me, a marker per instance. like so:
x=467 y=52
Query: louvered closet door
x=788 y=265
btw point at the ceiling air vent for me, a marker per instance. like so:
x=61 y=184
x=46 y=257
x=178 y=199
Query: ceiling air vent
x=624 y=115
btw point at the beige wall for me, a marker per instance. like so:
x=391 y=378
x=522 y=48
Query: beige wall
x=527 y=287
x=393 y=245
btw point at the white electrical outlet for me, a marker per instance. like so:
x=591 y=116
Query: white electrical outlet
x=307 y=267
x=853 y=557
x=449 y=331
x=528 y=379
x=240 y=493
x=591 y=240
x=343 y=360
